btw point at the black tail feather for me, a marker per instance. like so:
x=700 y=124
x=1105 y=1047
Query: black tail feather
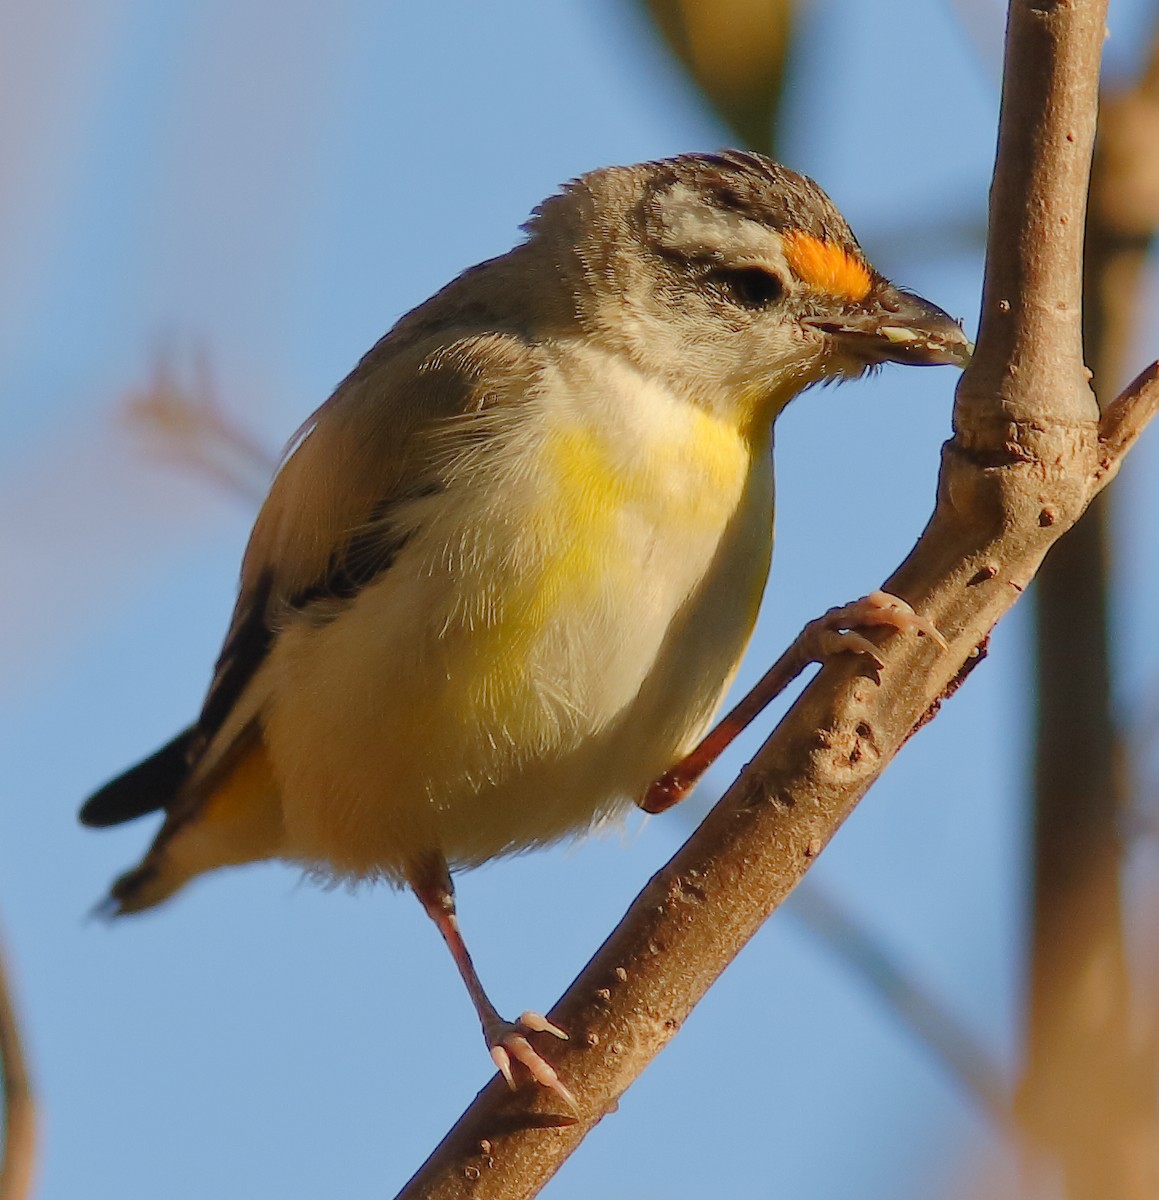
x=131 y=892
x=128 y=893
x=145 y=788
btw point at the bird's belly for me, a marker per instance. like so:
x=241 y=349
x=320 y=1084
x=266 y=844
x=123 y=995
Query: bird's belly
x=526 y=686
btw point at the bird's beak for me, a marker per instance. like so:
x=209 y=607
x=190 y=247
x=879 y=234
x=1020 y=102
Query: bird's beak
x=896 y=326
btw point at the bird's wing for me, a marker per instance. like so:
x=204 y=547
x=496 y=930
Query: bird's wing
x=328 y=526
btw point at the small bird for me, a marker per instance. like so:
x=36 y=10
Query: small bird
x=505 y=574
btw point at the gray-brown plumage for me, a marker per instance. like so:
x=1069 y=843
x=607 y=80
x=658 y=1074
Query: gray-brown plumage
x=506 y=572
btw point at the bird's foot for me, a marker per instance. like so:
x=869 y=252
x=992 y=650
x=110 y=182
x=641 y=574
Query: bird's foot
x=832 y=634
x=836 y=631
x=507 y=1041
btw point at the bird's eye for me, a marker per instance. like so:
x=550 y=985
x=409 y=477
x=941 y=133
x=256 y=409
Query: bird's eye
x=750 y=287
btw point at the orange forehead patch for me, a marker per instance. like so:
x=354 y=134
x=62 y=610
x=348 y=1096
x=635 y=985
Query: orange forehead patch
x=827 y=267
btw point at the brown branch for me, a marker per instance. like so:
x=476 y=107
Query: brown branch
x=695 y=914
x=1088 y=1092
x=1024 y=463
x=1125 y=418
x=18 y=1164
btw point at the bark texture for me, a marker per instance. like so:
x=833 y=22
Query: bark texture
x=1088 y=1095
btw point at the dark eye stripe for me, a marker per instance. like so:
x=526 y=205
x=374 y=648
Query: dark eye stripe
x=750 y=287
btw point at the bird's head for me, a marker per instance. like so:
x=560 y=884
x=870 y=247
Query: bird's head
x=732 y=278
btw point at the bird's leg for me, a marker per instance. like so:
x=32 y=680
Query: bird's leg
x=834 y=633
x=506 y=1040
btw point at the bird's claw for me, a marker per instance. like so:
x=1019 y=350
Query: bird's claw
x=507 y=1041
x=836 y=632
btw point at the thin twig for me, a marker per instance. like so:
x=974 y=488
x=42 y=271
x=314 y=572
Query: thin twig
x=187 y=425
x=1125 y=418
x=17 y=1167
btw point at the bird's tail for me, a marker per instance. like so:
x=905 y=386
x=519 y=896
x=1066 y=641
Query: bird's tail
x=148 y=787
x=141 y=888
x=225 y=817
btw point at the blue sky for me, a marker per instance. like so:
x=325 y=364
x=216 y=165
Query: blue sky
x=271 y=187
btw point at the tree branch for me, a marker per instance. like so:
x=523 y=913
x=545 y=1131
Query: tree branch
x=1088 y=1090
x=1023 y=464
x=1125 y=418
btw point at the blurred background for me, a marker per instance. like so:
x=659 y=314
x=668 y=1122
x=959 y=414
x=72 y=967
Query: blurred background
x=208 y=211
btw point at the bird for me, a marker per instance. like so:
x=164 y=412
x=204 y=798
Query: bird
x=505 y=574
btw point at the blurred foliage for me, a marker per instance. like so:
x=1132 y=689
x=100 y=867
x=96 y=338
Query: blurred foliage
x=183 y=422
x=735 y=52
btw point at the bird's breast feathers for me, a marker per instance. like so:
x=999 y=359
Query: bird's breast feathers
x=560 y=625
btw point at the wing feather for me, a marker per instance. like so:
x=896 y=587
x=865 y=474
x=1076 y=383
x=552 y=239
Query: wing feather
x=330 y=525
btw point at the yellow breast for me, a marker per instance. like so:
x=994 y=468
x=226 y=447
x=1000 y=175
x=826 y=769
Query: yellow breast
x=517 y=673
x=621 y=518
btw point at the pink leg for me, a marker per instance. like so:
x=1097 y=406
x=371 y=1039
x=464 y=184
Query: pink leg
x=506 y=1040
x=830 y=634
